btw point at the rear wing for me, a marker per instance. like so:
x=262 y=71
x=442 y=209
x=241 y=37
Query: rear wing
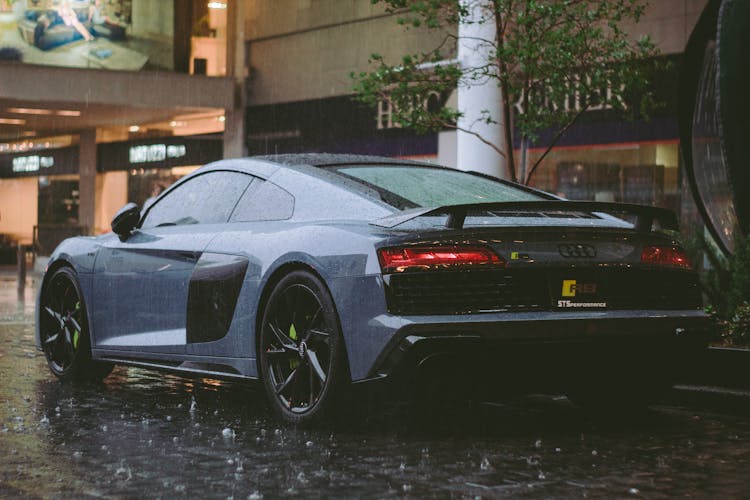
x=645 y=216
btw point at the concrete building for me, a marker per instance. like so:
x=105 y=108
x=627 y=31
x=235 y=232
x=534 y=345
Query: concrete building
x=300 y=54
x=86 y=126
x=167 y=85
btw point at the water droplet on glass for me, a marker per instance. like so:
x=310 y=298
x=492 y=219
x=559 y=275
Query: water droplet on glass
x=228 y=433
x=594 y=453
x=309 y=444
x=406 y=488
x=77 y=454
x=255 y=495
x=485 y=465
x=538 y=443
x=634 y=491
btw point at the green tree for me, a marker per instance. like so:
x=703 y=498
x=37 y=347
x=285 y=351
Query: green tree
x=553 y=60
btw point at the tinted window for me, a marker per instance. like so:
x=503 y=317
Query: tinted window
x=205 y=199
x=263 y=201
x=408 y=187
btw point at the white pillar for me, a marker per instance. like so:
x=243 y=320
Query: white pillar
x=87 y=180
x=234 y=119
x=479 y=95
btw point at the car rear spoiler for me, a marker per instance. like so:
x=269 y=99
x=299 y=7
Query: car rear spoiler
x=645 y=216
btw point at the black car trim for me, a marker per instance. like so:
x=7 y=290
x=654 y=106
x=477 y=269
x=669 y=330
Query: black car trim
x=645 y=215
x=215 y=286
x=538 y=329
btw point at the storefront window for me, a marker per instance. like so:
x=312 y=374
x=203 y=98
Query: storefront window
x=631 y=173
x=58 y=200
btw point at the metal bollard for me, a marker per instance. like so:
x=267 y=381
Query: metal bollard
x=21 y=272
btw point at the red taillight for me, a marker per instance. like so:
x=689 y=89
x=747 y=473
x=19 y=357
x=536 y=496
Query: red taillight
x=666 y=256
x=400 y=259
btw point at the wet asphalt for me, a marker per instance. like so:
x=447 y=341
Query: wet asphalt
x=149 y=434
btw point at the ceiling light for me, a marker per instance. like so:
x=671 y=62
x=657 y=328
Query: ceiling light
x=37 y=111
x=12 y=121
x=217 y=5
x=30 y=111
x=221 y=118
x=134 y=128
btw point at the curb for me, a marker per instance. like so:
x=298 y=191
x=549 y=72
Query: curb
x=713 y=397
x=724 y=367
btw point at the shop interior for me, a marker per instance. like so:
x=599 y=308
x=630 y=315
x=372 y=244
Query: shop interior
x=127 y=35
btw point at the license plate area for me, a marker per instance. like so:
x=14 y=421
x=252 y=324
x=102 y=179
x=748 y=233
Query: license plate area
x=577 y=290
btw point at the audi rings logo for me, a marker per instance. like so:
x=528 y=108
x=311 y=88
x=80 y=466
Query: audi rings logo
x=576 y=251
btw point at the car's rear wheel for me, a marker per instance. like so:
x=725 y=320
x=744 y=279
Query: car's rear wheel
x=64 y=331
x=302 y=358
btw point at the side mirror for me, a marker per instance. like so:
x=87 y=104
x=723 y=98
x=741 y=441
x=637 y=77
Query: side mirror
x=126 y=219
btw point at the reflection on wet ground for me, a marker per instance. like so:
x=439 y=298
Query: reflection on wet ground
x=143 y=433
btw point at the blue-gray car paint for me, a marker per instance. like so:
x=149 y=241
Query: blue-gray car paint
x=328 y=234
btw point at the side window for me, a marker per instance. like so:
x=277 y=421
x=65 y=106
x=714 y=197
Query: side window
x=205 y=199
x=263 y=201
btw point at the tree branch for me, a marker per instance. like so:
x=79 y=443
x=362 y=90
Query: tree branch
x=478 y=136
x=552 y=144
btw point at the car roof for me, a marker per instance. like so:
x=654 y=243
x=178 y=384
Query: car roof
x=323 y=193
x=330 y=159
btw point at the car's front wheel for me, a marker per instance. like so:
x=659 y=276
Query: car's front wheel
x=64 y=331
x=302 y=358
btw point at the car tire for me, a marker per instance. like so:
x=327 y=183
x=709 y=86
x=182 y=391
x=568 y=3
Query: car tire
x=64 y=330
x=301 y=350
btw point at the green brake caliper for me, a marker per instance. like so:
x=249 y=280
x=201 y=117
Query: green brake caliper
x=294 y=362
x=76 y=333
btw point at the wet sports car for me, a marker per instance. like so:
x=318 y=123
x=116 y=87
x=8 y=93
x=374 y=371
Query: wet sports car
x=314 y=273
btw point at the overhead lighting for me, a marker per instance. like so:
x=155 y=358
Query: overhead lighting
x=134 y=128
x=217 y=5
x=221 y=118
x=12 y=121
x=175 y=123
x=37 y=111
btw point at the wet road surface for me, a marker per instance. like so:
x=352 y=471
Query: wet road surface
x=143 y=433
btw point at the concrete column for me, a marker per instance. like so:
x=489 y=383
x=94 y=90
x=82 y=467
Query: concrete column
x=87 y=179
x=234 y=125
x=479 y=95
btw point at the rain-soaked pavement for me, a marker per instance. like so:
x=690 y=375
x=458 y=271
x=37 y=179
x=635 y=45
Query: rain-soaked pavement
x=143 y=433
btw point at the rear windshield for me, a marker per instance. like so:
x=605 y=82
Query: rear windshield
x=412 y=186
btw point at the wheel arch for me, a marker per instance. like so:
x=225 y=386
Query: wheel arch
x=48 y=273
x=276 y=276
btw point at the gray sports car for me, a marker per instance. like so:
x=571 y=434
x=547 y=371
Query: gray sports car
x=313 y=273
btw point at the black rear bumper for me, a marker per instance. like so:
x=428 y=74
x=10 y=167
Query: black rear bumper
x=546 y=352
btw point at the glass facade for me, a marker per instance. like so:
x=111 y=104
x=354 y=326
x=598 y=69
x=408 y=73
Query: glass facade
x=645 y=173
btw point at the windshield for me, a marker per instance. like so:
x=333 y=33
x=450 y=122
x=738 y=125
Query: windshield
x=415 y=186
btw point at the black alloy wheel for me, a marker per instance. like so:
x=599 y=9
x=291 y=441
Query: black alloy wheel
x=64 y=332
x=301 y=352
